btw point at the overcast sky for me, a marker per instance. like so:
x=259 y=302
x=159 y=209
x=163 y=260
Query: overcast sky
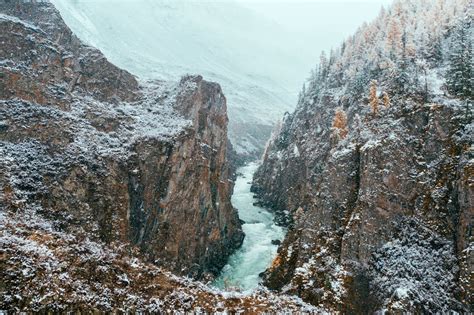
x=322 y=24
x=307 y=28
x=319 y=15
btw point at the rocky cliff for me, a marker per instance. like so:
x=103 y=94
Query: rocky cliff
x=108 y=183
x=97 y=153
x=376 y=178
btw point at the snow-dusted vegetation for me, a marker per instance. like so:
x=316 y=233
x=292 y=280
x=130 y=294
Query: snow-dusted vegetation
x=375 y=167
x=400 y=49
x=48 y=270
x=417 y=267
x=115 y=192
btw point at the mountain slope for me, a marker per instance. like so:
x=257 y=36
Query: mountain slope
x=375 y=168
x=98 y=153
x=220 y=40
x=45 y=269
x=103 y=178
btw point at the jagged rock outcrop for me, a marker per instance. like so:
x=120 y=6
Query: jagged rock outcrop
x=99 y=154
x=381 y=217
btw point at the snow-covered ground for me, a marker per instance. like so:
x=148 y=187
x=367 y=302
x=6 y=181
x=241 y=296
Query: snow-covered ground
x=257 y=251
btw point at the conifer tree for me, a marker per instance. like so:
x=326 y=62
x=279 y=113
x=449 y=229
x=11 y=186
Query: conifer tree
x=373 y=98
x=323 y=65
x=394 y=38
x=459 y=74
x=339 y=123
x=385 y=100
x=422 y=66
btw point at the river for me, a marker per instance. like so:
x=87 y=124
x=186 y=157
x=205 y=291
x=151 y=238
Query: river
x=257 y=251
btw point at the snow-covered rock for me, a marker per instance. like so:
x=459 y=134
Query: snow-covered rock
x=98 y=152
x=381 y=216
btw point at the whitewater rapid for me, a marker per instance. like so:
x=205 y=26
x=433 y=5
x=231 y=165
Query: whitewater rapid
x=257 y=251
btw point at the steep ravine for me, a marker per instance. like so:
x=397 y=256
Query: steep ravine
x=364 y=208
x=261 y=237
x=109 y=183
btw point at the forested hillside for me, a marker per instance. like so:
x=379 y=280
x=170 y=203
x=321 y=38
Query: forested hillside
x=373 y=172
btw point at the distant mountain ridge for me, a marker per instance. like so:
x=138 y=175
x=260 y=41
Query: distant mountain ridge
x=222 y=41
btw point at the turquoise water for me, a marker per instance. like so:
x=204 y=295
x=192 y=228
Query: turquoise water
x=257 y=251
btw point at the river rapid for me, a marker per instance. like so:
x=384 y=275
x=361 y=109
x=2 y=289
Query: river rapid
x=257 y=251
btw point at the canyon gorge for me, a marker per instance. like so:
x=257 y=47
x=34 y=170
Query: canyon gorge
x=125 y=193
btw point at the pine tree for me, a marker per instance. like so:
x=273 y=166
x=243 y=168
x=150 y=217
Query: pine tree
x=373 y=99
x=323 y=65
x=339 y=123
x=459 y=75
x=422 y=67
x=386 y=100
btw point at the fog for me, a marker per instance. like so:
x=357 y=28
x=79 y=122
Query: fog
x=259 y=51
x=318 y=24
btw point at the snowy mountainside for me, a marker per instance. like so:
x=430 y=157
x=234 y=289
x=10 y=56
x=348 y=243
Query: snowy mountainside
x=222 y=41
x=91 y=159
x=375 y=167
x=90 y=153
x=44 y=269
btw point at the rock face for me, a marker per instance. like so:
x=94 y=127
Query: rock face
x=381 y=217
x=99 y=154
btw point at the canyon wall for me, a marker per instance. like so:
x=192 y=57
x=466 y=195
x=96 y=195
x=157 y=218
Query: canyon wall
x=375 y=179
x=88 y=147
